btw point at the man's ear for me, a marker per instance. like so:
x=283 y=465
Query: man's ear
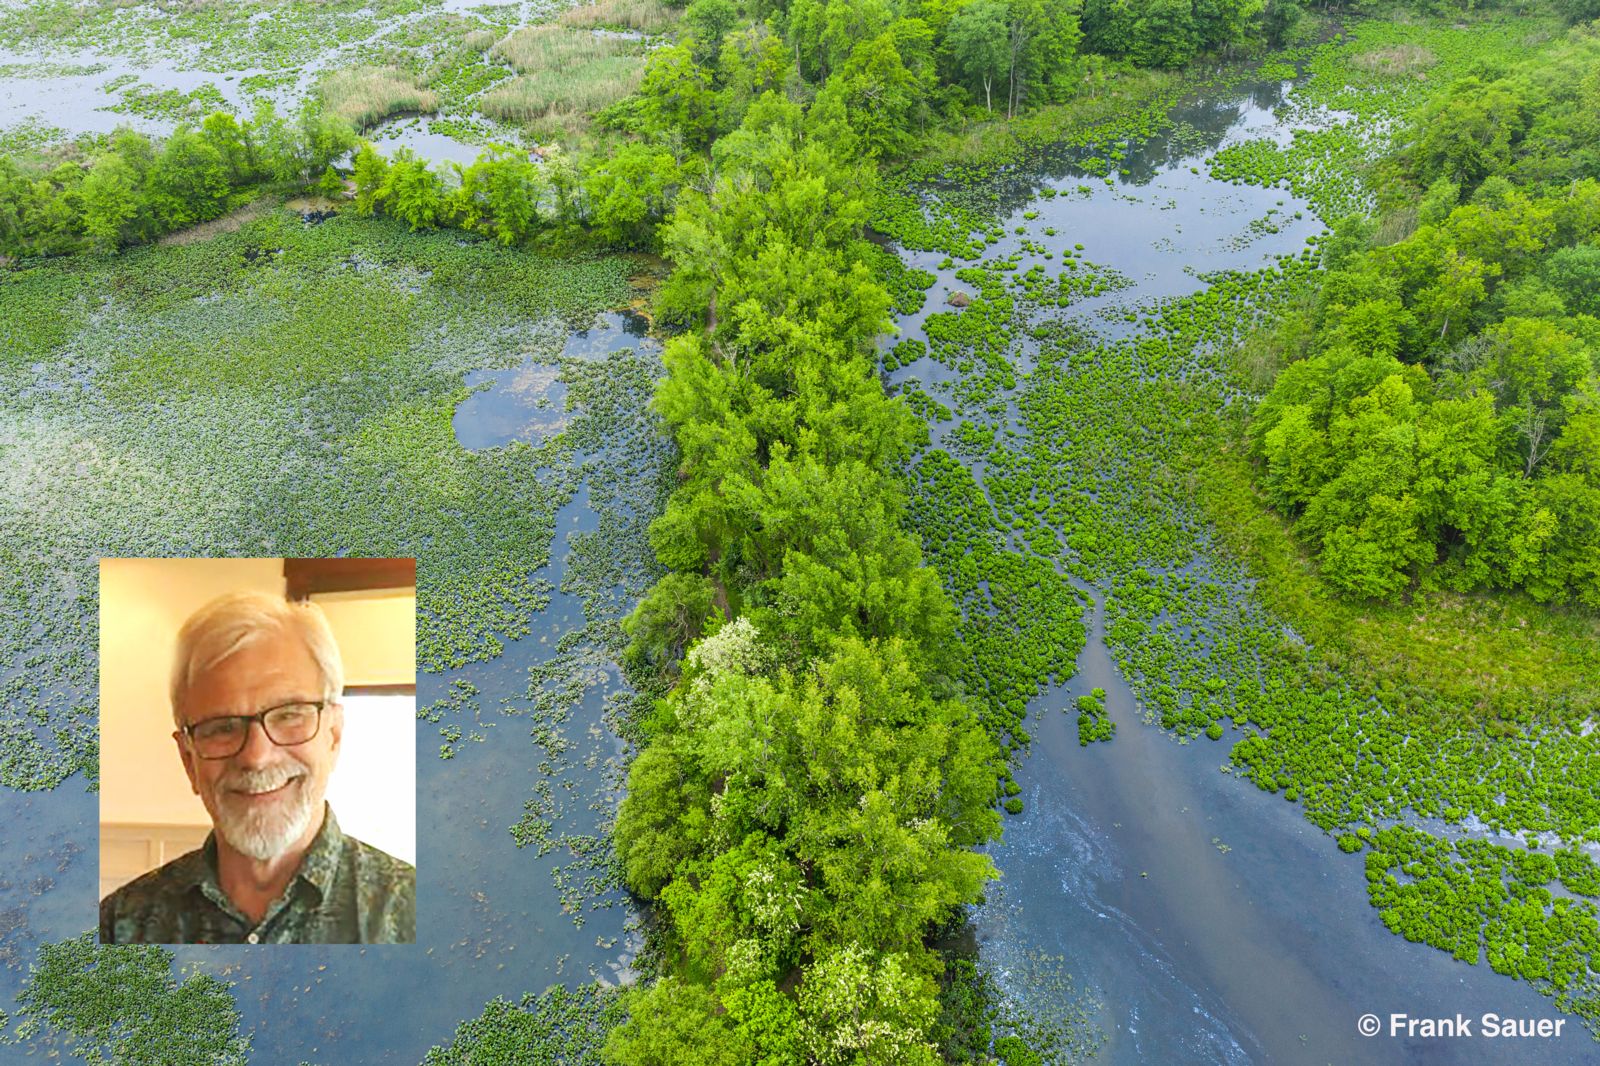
x=188 y=760
x=335 y=727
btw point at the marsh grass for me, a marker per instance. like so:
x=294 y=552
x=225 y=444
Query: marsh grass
x=1395 y=59
x=643 y=16
x=365 y=95
x=566 y=76
x=558 y=49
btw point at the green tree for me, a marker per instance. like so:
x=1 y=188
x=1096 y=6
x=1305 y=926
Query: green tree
x=678 y=96
x=411 y=191
x=188 y=182
x=1468 y=134
x=1163 y=34
x=331 y=184
x=234 y=144
x=369 y=170
x=754 y=62
x=669 y=618
x=1575 y=274
x=880 y=96
x=858 y=1008
x=977 y=42
x=108 y=202
x=708 y=22
x=499 y=195
x=672 y=1022
x=629 y=193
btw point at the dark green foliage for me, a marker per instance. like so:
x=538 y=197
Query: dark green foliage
x=977 y=41
x=1425 y=442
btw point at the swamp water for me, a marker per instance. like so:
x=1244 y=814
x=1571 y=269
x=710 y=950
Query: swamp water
x=1181 y=912
x=494 y=919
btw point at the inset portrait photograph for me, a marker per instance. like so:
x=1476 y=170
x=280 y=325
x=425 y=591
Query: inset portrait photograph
x=257 y=751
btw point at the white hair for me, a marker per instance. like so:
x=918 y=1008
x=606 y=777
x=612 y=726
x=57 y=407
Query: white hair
x=239 y=619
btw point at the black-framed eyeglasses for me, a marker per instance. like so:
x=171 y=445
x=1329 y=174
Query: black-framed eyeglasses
x=286 y=725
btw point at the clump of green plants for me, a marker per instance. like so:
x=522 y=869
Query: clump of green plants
x=114 y=1003
x=561 y=1024
x=1093 y=722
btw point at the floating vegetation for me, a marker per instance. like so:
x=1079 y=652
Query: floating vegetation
x=118 y=1003
x=148 y=101
x=1353 y=84
x=560 y=1025
x=279 y=390
x=1093 y=722
x=1105 y=448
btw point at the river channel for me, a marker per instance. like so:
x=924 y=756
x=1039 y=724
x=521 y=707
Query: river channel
x=1188 y=916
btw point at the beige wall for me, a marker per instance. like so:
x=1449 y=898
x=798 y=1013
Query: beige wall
x=143 y=603
x=377 y=634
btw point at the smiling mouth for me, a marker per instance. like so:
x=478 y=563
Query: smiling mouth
x=267 y=794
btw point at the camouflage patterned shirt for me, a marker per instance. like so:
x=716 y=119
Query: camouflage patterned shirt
x=346 y=892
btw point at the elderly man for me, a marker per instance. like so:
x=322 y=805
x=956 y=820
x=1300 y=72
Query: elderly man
x=256 y=687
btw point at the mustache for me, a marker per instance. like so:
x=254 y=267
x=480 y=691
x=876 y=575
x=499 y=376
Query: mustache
x=266 y=779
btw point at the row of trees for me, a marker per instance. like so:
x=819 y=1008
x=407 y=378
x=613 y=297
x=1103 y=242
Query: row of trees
x=1446 y=427
x=506 y=196
x=888 y=69
x=893 y=67
x=107 y=192
x=805 y=806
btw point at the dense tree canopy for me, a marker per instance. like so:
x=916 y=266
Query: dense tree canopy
x=1444 y=429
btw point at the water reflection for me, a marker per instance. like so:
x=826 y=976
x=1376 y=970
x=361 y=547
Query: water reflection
x=528 y=402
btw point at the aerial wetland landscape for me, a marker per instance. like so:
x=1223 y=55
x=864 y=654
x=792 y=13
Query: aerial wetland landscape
x=947 y=531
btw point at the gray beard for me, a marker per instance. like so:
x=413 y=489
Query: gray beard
x=265 y=832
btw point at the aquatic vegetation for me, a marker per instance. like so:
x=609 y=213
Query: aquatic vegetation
x=560 y=1025
x=1358 y=88
x=1530 y=915
x=1093 y=723
x=124 y=1004
x=1225 y=626
x=147 y=101
x=244 y=378
x=363 y=95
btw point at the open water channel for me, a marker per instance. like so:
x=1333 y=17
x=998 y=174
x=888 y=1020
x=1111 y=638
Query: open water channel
x=1186 y=915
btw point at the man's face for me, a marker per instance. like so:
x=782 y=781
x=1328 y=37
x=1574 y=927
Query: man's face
x=264 y=799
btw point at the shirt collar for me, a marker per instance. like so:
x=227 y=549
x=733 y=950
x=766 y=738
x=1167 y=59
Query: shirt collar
x=198 y=869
